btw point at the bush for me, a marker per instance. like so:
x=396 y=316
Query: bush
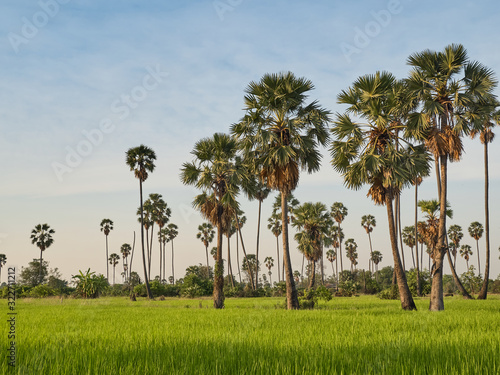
x=425 y=283
x=194 y=286
x=42 y=290
x=390 y=293
x=348 y=288
x=323 y=293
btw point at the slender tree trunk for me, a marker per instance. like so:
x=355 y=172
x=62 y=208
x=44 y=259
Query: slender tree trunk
x=406 y=298
x=146 y=278
x=397 y=200
x=114 y=267
x=208 y=267
x=245 y=254
x=322 y=268
x=278 y=258
x=340 y=252
x=219 y=266
x=131 y=258
x=291 y=291
x=107 y=265
x=337 y=271
x=302 y=269
x=459 y=285
x=257 y=249
x=437 y=298
x=238 y=255
x=173 y=276
x=484 y=288
x=371 y=252
x=151 y=249
x=40 y=274
x=161 y=258
x=478 y=260
x=229 y=266
x=312 y=279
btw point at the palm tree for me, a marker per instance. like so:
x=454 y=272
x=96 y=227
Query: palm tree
x=218 y=173
x=171 y=233
x=373 y=153
x=274 y=225
x=313 y=220
x=162 y=216
x=280 y=133
x=331 y=256
x=448 y=86
x=337 y=236
x=213 y=252
x=113 y=260
x=125 y=249
x=269 y=262
x=206 y=234
x=368 y=222
x=350 y=247
x=3 y=260
x=455 y=233
x=376 y=259
x=260 y=194
x=230 y=231
x=238 y=222
x=106 y=227
x=409 y=239
x=141 y=161
x=466 y=252
x=476 y=231
x=339 y=212
x=486 y=136
x=41 y=236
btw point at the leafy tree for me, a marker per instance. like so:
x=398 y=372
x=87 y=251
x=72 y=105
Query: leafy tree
x=30 y=275
x=351 y=252
x=106 y=228
x=206 y=235
x=125 y=250
x=339 y=213
x=368 y=222
x=250 y=266
x=269 y=262
x=447 y=86
x=466 y=252
x=455 y=233
x=476 y=231
x=89 y=285
x=280 y=133
x=113 y=260
x=141 y=160
x=376 y=259
x=41 y=236
x=331 y=255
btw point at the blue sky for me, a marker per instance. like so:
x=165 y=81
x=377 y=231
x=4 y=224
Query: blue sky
x=83 y=81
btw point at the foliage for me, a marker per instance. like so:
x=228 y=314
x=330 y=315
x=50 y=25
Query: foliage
x=195 y=286
x=30 y=275
x=471 y=282
x=90 y=285
x=41 y=290
x=390 y=293
x=425 y=281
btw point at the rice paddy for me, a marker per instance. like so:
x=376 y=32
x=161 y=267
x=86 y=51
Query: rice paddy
x=361 y=335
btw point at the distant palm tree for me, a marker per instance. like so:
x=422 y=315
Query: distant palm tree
x=3 y=260
x=261 y=193
x=274 y=225
x=351 y=253
x=376 y=259
x=409 y=239
x=206 y=235
x=466 y=252
x=368 y=222
x=269 y=262
x=106 y=227
x=141 y=161
x=331 y=256
x=172 y=232
x=113 y=260
x=339 y=212
x=41 y=236
x=476 y=231
x=455 y=233
x=125 y=249
x=337 y=236
x=238 y=223
x=281 y=133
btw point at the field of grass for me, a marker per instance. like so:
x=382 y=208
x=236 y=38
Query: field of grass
x=362 y=335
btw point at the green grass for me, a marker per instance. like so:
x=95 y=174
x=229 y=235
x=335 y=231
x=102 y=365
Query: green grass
x=362 y=335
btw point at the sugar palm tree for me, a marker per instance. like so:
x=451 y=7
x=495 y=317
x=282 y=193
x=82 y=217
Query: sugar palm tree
x=410 y=241
x=172 y=232
x=218 y=173
x=455 y=234
x=106 y=227
x=376 y=259
x=260 y=194
x=141 y=161
x=269 y=262
x=161 y=217
x=239 y=221
x=339 y=213
x=125 y=249
x=3 y=260
x=113 y=260
x=350 y=247
x=372 y=152
x=368 y=222
x=206 y=234
x=337 y=236
x=281 y=134
x=274 y=225
x=331 y=256
x=448 y=86
x=230 y=230
x=476 y=231
x=466 y=252
x=41 y=236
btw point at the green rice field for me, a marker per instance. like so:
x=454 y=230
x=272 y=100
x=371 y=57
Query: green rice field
x=358 y=335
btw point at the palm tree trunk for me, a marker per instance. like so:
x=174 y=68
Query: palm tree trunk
x=229 y=266
x=161 y=257
x=146 y=279
x=173 y=276
x=312 y=279
x=278 y=258
x=437 y=298
x=257 y=249
x=291 y=291
x=107 y=265
x=484 y=288
x=238 y=255
x=219 y=266
x=151 y=248
x=459 y=285
x=340 y=252
x=208 y=268
x=337 y=271
x=114 y=268
x=302 y=269
x=40 y=273
x=407 y=302
x=371 y=252
x=322 y=268
x=131 y=258
x=397 y=201
x=245 y=253
x=478 y=260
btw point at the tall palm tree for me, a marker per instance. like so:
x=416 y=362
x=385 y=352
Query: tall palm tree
x=113 y=260
x=331 y=256
x=162 y=216
x=281 y=134
x=339 y=213
x=455 y=234
x=376 y=259
x=476 y=231
x=106 y=227
x=368 y=222
x=409 y=240
x=269 y=262
x=238 y=223
x=372 y=152
x=125 y=249
x=261 y=193
x=274 y=225
x=218 y=173
x=448 y=86
x=41 y=236
x=466 y=252
x=3 y=260
x=206 y=234
x=486 y=136
x=230 y=230
x=141 y=160
x=337 y=236
x=350 y=247
x=172 y=232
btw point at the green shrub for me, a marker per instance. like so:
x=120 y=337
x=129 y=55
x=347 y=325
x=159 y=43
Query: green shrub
x=42 y=290
x=390 y=293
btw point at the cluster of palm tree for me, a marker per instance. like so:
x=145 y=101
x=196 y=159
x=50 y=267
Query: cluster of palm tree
x=41 y=236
